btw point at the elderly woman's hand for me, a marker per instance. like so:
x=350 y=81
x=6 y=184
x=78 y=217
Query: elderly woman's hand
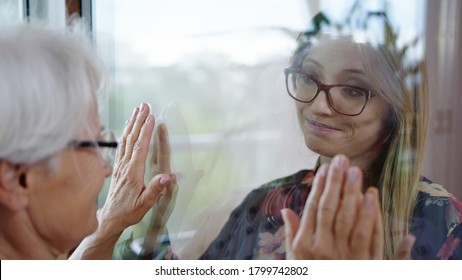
x=129 y=198
x=339 y=221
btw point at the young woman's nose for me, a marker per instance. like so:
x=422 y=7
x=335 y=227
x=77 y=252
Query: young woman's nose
x=320 y=105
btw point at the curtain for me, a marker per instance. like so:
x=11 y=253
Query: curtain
x=444 y=42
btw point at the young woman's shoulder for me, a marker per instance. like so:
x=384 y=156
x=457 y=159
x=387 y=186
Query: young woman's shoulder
x=302 y=177
x=434 y=194
x=435 y=198
x=437 y=223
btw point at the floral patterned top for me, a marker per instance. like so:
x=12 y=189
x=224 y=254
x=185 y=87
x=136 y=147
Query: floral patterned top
x=255 y=229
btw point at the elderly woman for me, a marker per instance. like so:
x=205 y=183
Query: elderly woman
x=55 y=155
x=365 y=199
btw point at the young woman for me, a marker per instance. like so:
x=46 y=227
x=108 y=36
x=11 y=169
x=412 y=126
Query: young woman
x=365 y=198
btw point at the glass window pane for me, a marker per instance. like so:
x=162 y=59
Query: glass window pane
x=11 y=12
x=50 y=12
x=214 y=74
x=213 y=71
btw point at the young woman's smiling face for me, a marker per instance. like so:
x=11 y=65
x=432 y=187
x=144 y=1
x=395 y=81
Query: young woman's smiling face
x=326 y=132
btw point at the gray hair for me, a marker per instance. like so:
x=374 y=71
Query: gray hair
x=48 y=81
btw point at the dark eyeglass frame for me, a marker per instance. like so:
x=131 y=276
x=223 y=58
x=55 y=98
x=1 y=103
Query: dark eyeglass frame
x=95 y=144
x=369 y=93
x=92 y=144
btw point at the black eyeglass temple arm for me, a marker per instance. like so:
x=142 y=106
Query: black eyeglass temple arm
x=84 y=144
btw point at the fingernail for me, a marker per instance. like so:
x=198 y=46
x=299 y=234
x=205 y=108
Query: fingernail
x=339 y=162
x=149 y=119
x=323 y=170
x=369 y=200
x=164 y=181
x=353 y=175
x=142 y=106
x=134 y=111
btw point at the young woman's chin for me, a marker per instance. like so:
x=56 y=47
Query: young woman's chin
x=321 y=146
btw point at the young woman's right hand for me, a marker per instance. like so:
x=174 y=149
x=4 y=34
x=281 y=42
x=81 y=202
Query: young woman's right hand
x=338 y=221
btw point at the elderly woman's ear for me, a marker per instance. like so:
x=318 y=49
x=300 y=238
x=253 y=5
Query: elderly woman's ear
x=13 y=194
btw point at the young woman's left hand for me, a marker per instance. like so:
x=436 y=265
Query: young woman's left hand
x=162 y=209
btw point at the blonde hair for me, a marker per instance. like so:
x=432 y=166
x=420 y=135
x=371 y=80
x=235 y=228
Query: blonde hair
x=404 y=150
x=397 y=171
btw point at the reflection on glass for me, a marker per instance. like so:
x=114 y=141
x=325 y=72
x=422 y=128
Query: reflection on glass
x=221 y=90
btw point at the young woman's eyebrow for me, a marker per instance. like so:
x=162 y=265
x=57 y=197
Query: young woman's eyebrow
x=314 y=62
x=354 y=71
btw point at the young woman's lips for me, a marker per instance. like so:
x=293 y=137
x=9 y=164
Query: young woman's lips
x=321 y=127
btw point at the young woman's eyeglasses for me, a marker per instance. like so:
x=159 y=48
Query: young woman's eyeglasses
x=106 y=145
x=344 y=99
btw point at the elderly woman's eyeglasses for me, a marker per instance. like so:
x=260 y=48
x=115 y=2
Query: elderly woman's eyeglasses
x=106 y=145
x=344 y=99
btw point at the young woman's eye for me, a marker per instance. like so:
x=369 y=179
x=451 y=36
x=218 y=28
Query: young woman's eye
x=308 y=80
x=353 y=92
